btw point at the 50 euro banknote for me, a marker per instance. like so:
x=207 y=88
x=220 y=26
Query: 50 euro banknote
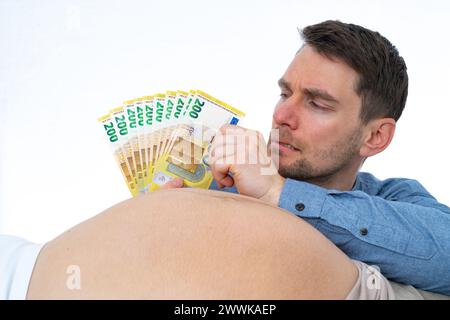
x=159 y=137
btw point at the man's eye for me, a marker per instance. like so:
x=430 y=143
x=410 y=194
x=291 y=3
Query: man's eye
x=315 y=105
x=283 y=95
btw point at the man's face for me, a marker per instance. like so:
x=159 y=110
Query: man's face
x=317 y=117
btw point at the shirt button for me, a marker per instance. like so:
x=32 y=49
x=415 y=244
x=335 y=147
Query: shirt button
x=300 y=206
x=363 y=231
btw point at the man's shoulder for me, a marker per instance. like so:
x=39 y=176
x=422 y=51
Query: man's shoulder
x=372 y=185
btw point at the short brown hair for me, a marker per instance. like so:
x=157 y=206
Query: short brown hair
x=383 y=80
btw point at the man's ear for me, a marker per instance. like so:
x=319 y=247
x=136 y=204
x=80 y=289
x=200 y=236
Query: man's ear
x=378 y=135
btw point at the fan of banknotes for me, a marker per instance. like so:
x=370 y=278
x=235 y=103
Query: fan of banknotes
x=157 y=138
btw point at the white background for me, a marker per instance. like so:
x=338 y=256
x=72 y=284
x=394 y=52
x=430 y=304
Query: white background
x=65 y=63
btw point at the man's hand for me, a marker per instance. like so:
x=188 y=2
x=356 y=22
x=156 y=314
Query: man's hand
x=173 y=184
x=243 y=154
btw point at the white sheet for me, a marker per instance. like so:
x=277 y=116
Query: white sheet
x=17 y=259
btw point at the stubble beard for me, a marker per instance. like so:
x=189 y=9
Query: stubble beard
x=337 y=159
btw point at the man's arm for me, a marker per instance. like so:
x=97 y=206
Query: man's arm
x=400 y=227
x=403 y=229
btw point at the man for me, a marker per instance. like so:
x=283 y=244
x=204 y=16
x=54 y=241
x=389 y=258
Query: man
x=340 y=99
x=203 y=244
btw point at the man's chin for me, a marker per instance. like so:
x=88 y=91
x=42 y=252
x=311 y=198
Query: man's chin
x=285 y=166
x=286 y=161
x=297 y=169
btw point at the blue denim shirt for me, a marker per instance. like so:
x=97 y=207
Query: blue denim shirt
x=394 y=224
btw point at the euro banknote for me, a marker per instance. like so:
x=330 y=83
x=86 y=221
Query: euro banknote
x=160 y=137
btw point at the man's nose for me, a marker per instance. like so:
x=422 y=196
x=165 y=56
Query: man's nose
x=286 y=113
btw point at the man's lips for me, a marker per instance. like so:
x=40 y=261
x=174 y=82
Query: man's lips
x=285 y=147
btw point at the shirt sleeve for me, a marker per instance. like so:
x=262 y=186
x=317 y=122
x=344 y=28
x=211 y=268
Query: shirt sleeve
x=402 y=230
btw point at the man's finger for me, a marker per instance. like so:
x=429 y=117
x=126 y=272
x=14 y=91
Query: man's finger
x=173 y=184
x=220 y=172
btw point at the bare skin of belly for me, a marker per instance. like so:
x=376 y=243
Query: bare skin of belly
x=192 y=244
